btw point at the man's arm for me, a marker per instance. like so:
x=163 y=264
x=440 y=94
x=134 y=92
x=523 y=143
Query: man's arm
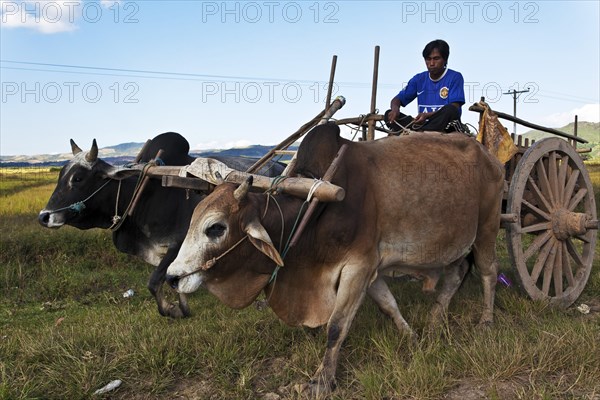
x=395 y=108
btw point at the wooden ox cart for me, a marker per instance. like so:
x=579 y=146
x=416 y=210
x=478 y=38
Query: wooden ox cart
x=549 y=210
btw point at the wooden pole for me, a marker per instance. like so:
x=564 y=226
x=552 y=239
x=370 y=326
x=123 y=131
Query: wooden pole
x=575 y=132
x=197 y=171
x=371 y=130
x=329 y=174
x=304 y=128
x=337 y=104
x=331 y=78
x=138 y=194
x=477 y=108
x=286 y=142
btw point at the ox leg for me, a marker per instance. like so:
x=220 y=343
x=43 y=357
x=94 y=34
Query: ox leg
x=351 y=291
x=485 y=259
x=156 y=284
x=453 y=277
x=383 y=297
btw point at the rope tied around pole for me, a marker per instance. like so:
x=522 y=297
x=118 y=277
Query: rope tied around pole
x=313 y=189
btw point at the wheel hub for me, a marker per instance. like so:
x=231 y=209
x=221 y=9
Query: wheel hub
x=566 y=224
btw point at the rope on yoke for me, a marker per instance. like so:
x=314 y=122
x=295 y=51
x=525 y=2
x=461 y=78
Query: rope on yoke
x=313 y=189
x=119 y=220
x=287 y=245
x=275 y=182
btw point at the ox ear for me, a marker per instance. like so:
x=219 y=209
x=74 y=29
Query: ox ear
x=119 y=173
x=260 y=239
x=74 y=148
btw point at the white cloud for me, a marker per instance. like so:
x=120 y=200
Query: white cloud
x=216 y=145
x=589 y=113
x=109 y=3
x=44 y=17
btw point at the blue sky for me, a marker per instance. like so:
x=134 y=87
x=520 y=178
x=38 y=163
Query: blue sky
x=234 y=73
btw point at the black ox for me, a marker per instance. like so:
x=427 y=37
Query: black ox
x=90 y=192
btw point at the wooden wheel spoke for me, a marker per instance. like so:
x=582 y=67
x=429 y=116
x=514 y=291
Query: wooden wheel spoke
x=542 y=226
x=536 y=210
x=535 y=190
x=566 y=264
x=558 y=277
x=548 y=269
x=583 y=238
x=562 y=178
x=577 y=198
x=536 y=245
x=573 y=252
x=541 y=261
x=553 y=176
x=570 y=187
x=544 y=182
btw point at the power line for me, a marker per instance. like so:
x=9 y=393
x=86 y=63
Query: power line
x=514 y=94
x=134 y=73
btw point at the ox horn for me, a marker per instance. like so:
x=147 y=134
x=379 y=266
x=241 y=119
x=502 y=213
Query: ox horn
x=92 y=155
x=241 y=192
x=219 y=178
x=74 y=148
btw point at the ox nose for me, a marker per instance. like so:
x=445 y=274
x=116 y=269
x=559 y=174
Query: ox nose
x=44 y=218
x=173 y=281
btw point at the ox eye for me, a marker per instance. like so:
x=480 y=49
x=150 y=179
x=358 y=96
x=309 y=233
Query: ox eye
x=215 y=231
x=76 y=179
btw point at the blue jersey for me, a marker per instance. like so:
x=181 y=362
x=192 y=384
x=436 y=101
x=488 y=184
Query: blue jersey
x=433 y=95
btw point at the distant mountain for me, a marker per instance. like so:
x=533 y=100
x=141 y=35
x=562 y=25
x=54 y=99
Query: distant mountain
x=589 y=131
x=126 y=152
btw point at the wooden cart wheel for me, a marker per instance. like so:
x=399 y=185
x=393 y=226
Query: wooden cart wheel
x=553 y=241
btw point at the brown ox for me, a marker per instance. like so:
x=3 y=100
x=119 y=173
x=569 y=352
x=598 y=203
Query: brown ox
x=416 y=204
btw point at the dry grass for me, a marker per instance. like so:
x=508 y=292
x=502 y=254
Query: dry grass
x=66 y=330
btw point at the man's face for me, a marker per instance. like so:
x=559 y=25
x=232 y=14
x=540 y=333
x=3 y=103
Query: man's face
x=435 y=63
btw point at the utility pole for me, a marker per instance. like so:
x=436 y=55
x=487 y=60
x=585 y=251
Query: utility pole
x=515 y=94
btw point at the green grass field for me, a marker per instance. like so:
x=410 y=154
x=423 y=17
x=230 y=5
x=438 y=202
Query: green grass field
x=66 y=330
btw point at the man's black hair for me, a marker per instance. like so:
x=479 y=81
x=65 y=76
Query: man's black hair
x=440 y=45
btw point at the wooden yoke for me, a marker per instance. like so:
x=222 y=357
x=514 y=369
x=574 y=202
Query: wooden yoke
x=329 y=174
x=204 y=171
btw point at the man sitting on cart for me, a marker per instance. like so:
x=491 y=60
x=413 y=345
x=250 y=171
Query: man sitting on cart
x=439 y=92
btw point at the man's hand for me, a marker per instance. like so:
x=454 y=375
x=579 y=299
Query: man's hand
x=422 y=117
x=393 y=115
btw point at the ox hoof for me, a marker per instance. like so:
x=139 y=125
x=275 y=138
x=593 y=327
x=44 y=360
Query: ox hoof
x=317 y=389
x=485 y=324
x=487 y=319
x=175 y=311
